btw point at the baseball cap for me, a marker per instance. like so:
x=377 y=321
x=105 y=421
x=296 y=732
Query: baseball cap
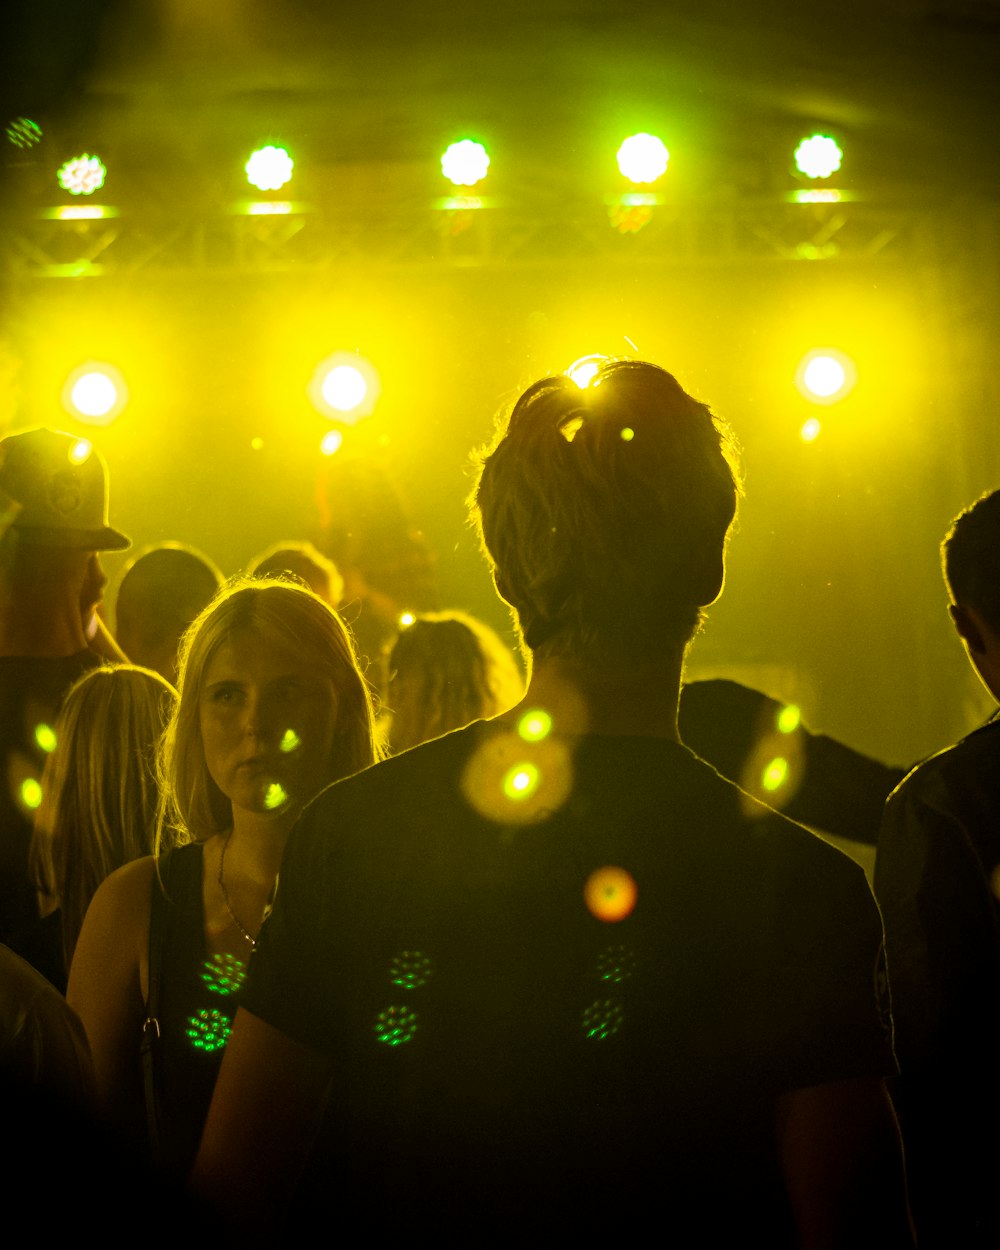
x=58 y=484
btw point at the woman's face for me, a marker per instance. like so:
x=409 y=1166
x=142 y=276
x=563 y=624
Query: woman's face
x=267 y=724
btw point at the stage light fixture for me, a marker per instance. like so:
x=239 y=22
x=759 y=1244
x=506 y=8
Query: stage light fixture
x=23 y=132
x=345 y=387
x=643 y=158
x=819 y=156
x=82 y=175
x=826 y=375
x=465 y=163
x=269 y=168
x=95 y=392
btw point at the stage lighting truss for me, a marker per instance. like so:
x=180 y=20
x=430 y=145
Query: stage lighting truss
x=822 y=225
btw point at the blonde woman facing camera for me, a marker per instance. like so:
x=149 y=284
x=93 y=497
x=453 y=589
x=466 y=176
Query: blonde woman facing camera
x=271 y=709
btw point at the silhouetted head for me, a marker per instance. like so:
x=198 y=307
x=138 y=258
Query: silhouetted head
x=605 y=511
x=446 y=670
x=303 y=561
x=970 y=558
x=160 y=593
x=280 y=617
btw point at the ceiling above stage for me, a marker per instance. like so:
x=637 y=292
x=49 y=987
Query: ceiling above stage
x=912 y=87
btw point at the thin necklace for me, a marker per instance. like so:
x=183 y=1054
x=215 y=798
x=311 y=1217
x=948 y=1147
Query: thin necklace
x=225 y=896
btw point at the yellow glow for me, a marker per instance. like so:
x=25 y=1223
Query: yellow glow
x=789 y=719
x=263 y=208
x=275 y=796
x=256 y=443
x=626 y=434
x=825 y=195
x=31 y=793
x=534 y=726
x=584 y=370
x=45 y=737
x=774 y=774
x=810 y=430
x=80 y=212
x=290 y=741
x=406 y=619
x=331 y=443
x=521 y=781
x=80 y=451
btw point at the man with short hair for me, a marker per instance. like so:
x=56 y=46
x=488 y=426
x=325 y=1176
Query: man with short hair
x=160 y=593
x=51 y=582
x=937 y=876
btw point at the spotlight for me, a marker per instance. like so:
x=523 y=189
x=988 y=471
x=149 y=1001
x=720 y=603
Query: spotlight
x=643 y=158
x=819 y=156
x=465 y=163
x=825 y=376
x=345 y=387
x=95 y=393
x=23 y=132
x=269 y=168
x=82 y=175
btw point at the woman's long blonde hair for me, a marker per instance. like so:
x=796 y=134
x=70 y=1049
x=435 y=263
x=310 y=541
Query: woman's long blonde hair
x=99 y=787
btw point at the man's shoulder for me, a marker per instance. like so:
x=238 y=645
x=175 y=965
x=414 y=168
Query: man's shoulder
x=969 y=768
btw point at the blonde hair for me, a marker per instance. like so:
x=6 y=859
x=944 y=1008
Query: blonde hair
x=446 y=670
x=99 y=788
x=287 y=615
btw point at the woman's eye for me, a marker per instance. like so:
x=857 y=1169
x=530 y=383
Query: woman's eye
x=225 y=694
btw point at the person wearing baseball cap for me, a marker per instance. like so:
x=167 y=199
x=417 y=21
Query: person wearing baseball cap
x=54 y=521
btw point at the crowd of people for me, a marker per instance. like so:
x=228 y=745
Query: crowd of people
x=468 y=938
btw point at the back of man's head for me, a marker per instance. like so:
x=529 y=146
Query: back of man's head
x=159 y=595
x=970 y=557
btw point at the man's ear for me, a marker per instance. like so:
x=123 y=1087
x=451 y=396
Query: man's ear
x=964 y=620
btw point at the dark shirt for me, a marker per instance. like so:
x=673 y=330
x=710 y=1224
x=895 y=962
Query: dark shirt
x=937 y=874
x=567 y=1000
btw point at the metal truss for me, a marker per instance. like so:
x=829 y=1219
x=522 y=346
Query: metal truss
x=270 y=237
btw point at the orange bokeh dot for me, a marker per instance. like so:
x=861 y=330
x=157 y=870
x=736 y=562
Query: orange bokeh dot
x=610 y=893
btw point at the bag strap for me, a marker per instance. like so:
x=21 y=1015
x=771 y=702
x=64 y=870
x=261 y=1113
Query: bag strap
x=151 y=1025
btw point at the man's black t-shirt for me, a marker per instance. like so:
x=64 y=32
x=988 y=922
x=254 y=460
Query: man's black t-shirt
x=563 y=984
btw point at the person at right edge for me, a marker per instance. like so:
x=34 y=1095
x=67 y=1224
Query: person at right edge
x=937 y=876
x=551 y=973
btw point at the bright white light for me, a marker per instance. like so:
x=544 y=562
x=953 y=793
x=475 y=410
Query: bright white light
x=95 y=393
x=269 y=168
x=810 y=431
x=825 y=376
x=465 y=163
x=819 y=156
x=643 y=158
x=584 y=370
x=345 y=387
